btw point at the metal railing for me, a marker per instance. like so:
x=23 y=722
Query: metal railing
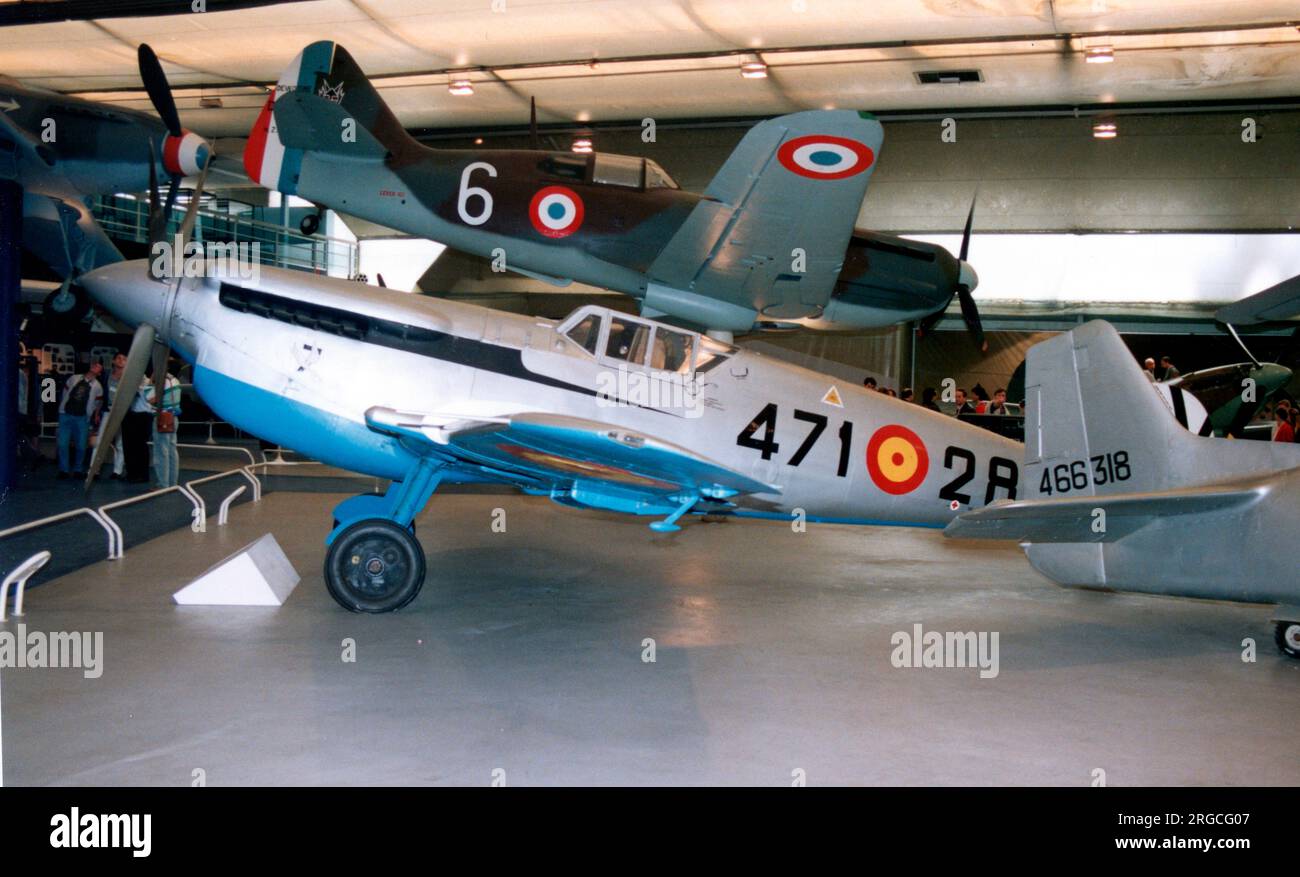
x=52 y=519
x=118 y=551
x=19 y=577
x=128 y=218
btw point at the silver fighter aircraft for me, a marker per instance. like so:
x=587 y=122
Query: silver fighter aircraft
x=601 y=410
x=1119 y=494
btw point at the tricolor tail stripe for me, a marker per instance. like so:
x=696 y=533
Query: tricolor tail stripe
x=266 y=159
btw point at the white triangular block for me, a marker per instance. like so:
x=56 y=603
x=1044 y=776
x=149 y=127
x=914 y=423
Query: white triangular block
x=256 y=575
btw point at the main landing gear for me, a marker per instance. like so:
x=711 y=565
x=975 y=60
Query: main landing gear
x=1287 y=636
x=374 y=562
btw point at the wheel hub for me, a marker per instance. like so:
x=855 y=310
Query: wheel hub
x=1292 y=636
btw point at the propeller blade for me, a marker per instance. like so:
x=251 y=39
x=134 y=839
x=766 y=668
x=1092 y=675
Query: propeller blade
x=532 y=123
x=157 y=218
x=160 y=354
x=192 y=212
x=380 y=278
x=160 y=92
x=136 y=360
x=928 y=323
x=965 y=235
x=971 y=314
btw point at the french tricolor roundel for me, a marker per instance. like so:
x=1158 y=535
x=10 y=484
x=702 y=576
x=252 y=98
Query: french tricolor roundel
x=556 y=211
x=823 y=157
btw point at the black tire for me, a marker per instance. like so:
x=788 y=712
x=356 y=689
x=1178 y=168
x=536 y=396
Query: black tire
x=374 y=566
x=310 y=224
x=1287 y=636
x=410 y=526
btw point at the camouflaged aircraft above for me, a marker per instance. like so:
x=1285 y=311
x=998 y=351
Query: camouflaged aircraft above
x=770 y=243
x=61 y=149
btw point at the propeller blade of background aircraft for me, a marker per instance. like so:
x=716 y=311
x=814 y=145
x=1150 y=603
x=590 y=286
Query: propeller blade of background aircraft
x=157 y=218
x=532 y=124
x=965 y=235
x=136 y=361
x=160 y=92
x=969 y=311
x=971 y=314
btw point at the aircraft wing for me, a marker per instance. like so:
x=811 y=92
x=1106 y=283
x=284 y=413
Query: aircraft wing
x=64 y=235
x=1278 y=302
x=1073 y=519
x=579 y=462
x=773 y=229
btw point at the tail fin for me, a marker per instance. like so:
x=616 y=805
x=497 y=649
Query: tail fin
x=319 y=94
x=1095 y=426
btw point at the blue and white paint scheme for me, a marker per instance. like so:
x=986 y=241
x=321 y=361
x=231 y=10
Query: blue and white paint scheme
x=600 y=410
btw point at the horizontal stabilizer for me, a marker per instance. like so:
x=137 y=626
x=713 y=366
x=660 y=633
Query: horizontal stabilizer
x=1096 y=518
x=309 y=122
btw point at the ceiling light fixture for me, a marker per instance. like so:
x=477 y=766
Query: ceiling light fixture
x=1099 y=55
x=461 y=87
x=753 y=70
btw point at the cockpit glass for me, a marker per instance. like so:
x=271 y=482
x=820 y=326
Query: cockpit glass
x=570 y=167
x=618 y=170
x=657 y=178
x=711 y=354
x=671 y=351
x=627 y=340
x=586 y=334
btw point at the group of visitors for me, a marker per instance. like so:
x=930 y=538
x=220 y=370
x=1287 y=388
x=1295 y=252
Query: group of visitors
x=87 y=399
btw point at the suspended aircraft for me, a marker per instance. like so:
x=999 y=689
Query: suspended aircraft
x=62 y=149
x=602 y=410
x=1118 y=493
x=770 y=243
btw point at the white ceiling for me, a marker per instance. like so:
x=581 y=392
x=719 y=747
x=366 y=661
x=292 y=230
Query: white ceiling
x=1162 y=62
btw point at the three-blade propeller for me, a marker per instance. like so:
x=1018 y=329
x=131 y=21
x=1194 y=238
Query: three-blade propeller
x=150 y=342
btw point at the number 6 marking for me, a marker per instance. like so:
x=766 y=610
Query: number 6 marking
x=467 y=191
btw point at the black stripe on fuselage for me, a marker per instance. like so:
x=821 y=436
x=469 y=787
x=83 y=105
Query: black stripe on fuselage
x=507 y=361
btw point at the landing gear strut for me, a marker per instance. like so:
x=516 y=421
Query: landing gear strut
x=374 y=562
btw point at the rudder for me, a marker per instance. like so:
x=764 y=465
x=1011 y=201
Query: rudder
x=338 y=89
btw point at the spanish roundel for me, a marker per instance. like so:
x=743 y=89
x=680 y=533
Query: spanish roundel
x=897 y=459
x=556 y=211
x=823 y=157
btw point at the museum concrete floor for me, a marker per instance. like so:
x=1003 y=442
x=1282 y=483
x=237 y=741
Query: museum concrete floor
x=524 y=654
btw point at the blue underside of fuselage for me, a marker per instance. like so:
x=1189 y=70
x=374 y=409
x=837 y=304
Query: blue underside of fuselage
x=343 y=443
x=308 y=430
